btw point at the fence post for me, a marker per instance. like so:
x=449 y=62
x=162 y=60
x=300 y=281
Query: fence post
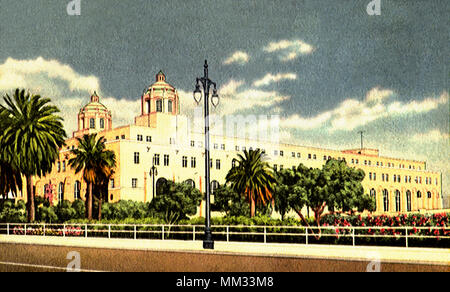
x=406 y=234
x=162 y=232
x=193 y=233
x=353 y=236
x=85 y=230
x=44 y=229
x=25 y=229
x=7 y=228
x=64 y=230
x=306 y=235
x=265 y=235
x=228 y=233
x=109 y=231
x=134 y=231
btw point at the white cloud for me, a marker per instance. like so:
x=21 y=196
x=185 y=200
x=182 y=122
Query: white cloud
x=13 y=74
x=238 y=57
x=353 y=113
x=270 y=78
x=289 y=49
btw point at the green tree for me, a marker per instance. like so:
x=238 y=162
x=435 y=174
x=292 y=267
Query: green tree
x=180 y=200
x=253 y=178
x=94 y=161
x=233 y=204
x=286 y=181
x=33 y=133
x=335 y=186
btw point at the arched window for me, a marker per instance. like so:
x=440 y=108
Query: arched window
x=161 y=184
x=419 y=194
x=214 y=185
x=92 y=123
x=159 y=105
x=190 y=182
x=408 y=200
x=373 y=194
x=386 y=200
x=76 y=190
x=169 y=106
x=429 y=195
x=60 y=192
x=397 y=201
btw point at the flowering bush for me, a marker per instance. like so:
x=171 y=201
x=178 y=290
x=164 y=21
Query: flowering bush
x=69 y=231
x=438 y=224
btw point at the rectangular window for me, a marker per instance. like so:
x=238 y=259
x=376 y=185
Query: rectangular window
x=236 y=148
x=148 y=138
x=169 y=106
x=166 y=160
x=123 y=137
x=193 y=162
x=324 y=157
x=139 y=137
x=293 y=154
x=281 y=153
x=92 y=123
x=222 y=146
x=136 y=157
x=192 y=143
x=387 y=177
x=370 y=176
x=309 y=156
x=275 y=167
x=275 y=152
x=102 y=123
x=59 y=166
x=382 y=176
x=156 y=159
x=217 y=163
x=111 y=183
x=134 y=183
x=216 y=146
x=64 y=165
x=159 y=106
x=314 y=156
x=184 y=161
x=298 y=155
x=374 y=175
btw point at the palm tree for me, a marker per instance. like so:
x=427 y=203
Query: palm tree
x=252 y=177
x=33 y=133
x=94 y=161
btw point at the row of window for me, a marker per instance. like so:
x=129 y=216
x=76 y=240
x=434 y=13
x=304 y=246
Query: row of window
x=397 y=178
x=380 y=163
x=159 y=106
x=398 y=199
x=92 y=123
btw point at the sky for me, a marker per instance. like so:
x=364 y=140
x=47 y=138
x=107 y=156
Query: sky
x=326 y=68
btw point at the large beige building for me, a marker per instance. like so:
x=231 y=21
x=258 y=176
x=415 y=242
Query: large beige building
x=160 y=135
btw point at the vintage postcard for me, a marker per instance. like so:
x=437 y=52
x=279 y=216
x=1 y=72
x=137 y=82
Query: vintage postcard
x=229 y=136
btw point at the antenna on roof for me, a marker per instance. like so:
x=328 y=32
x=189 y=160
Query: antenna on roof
x=362 y=145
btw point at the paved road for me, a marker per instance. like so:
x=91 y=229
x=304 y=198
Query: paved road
x=19 y=253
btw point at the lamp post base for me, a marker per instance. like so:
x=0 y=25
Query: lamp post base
x=208 y=242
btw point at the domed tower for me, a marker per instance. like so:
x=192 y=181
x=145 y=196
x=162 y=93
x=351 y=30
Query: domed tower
x=93 y=118
x=160 y=99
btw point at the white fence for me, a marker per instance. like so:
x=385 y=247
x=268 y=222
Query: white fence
x=254 y=233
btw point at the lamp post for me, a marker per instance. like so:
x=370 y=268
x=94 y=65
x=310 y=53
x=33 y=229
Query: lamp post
x=153 y=172
x=205 y=82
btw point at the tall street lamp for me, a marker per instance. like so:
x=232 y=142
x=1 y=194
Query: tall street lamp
x=153 y=172
x=205 y=82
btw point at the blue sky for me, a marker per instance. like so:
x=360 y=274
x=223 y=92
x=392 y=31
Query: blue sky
x=327 y=68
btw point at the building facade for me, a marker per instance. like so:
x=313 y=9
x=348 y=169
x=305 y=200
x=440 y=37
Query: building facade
x=160 y=136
